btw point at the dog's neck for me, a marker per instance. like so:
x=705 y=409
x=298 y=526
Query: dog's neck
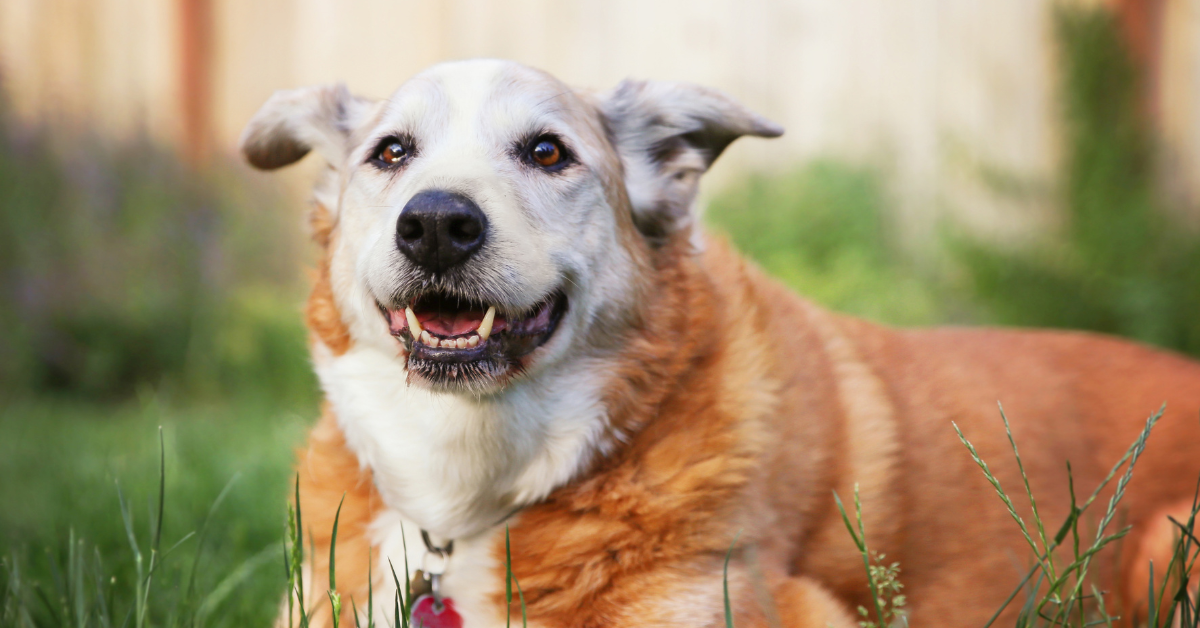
x=457 y=465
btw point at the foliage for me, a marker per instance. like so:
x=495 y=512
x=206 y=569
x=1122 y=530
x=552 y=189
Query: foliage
x=824 y=230
x=121 y=268
x=1121 y=264
x=883 y=580
x=1062 y=594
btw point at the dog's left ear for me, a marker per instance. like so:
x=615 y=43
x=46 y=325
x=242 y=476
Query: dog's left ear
x=667 y=135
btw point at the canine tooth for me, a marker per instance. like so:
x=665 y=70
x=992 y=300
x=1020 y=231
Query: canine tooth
x=428 y=339
x=461 y=343
x=414 y=326
x=448 y=344
x=473 y=341
x=485 y=327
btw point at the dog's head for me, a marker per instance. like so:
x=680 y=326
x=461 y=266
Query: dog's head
x=491 y=221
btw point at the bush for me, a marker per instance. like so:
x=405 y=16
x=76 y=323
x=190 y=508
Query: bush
x=120 y=269
x=824 y=231
x=1121 y=264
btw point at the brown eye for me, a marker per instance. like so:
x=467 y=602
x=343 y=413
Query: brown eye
x=547 y=153
x=393 y=153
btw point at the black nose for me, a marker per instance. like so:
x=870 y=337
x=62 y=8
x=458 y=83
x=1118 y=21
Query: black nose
x=438 y=230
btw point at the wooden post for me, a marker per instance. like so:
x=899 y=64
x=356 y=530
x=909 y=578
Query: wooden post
x=195 y=77
x=1141 y=23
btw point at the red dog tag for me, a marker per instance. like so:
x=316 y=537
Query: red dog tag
x=428 y=613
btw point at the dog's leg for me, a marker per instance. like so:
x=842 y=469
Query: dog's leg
x=1155 y=543
x=330 y=475
x=789 y=602
x=804 y=603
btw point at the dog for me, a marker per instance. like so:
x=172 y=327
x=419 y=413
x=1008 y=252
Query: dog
x=524 y=337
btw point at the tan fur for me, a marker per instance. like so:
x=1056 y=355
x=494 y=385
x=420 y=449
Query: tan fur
x=328 y=472
x=321 y=312
x=736 y=409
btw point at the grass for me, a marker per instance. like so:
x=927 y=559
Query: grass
x=1058 y=590
x=95 y=533
x=298 y=604
x=205 y=551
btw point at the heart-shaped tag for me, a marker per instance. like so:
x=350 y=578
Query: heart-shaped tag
x=427 y=612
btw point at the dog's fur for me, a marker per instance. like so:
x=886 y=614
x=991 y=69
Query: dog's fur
x=684 y=398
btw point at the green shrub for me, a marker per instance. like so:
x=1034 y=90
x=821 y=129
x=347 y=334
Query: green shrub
x=121 y=268
x=1121 y=264
x=823 y=230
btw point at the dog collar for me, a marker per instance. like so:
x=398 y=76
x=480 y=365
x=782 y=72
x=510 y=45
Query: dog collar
x=430 y=609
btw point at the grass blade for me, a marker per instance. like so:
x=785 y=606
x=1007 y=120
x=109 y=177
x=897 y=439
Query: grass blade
x=725 y=581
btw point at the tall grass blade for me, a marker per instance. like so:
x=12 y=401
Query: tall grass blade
x=987 y=472
x=725 y=581
x=230 y=583
x=407 y=579
x=335 y=599
x=508 y=578
x=203 y=536
x=1037 y=518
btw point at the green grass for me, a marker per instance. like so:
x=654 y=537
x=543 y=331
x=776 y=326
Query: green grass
x=62 y=461
x=1058 y=588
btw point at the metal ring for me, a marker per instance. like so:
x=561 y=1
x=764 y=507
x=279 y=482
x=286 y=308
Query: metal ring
x=441 y=566
x=448 y=550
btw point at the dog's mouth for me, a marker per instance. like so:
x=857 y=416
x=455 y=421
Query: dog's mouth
x=453 y=341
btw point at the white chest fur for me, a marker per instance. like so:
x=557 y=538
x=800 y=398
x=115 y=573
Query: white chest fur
x=457 y=465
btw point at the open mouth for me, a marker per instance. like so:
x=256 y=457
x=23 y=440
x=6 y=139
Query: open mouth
x=456 y=341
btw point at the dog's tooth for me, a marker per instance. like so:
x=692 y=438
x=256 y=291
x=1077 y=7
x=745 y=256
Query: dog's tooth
x=473 y=341
x=461 y=343
x=448 y=344
x=414 y=326
x=428 y=339
x=485 y=327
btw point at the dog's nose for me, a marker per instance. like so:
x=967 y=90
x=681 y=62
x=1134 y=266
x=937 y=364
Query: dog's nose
x=438 y=230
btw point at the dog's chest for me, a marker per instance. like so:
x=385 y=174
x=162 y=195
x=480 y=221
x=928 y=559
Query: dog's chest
x=457 y=465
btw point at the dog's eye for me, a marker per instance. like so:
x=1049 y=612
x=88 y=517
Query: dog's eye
x=390 y=152
x=547 y=153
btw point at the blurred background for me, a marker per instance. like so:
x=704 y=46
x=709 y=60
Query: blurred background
x=1013 y=162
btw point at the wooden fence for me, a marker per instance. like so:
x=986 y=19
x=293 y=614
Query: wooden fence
x=929 y=91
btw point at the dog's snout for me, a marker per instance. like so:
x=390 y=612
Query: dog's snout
x=438 y=229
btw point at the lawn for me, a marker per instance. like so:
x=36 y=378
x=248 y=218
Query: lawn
x=61 y=464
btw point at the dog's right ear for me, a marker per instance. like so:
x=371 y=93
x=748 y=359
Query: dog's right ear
x=293 y=122
x=667 y=135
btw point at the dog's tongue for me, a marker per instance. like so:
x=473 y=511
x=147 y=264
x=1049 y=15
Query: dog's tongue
x=451 y=323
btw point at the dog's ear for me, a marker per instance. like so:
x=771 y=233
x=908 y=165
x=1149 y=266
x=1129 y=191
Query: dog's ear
x=293 y=122
x=667 y=135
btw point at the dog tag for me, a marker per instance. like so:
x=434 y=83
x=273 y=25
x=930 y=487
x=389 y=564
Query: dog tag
x=420 y=585
x=427 y=612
